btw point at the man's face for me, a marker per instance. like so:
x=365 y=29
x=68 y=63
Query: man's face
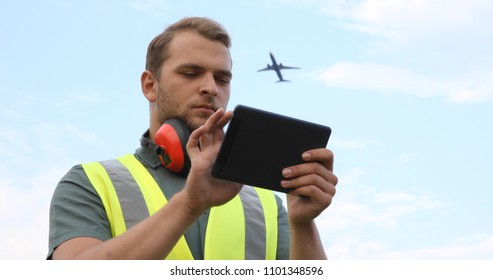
x=194 y=81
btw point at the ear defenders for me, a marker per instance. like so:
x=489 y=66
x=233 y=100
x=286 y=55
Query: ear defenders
x=170 y=146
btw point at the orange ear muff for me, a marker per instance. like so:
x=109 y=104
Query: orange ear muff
x=171 y=141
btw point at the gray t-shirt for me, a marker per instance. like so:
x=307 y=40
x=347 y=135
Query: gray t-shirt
x=77 y=211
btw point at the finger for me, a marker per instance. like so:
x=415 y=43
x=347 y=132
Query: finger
x=193 y=143
x=322 y=155
x=306 y=169
x=211 y=123
x=206 y=140
x=215 y=128
x=311 y=192
x=309 y=180
x=221 y=123
x=226 y=117
x=197 y=137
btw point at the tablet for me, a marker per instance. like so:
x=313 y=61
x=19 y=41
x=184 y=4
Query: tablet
x=259 y=144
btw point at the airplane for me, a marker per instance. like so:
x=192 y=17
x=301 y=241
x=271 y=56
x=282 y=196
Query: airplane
x=277 y=67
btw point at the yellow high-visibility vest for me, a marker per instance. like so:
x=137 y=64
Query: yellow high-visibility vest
x=243 y=228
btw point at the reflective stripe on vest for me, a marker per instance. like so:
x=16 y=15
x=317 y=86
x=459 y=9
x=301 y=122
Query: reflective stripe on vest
x=130 y=194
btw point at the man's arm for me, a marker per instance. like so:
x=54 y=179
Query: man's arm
x=155 y=237
x=152 y=238
x=305 y=243
x=313 y=186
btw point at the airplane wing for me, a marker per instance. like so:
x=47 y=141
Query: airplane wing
x=266 y=69
x=287 y=67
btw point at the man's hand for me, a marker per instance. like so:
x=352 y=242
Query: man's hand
x=202 y=190
x=313 y=186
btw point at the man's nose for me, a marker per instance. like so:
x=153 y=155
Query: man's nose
x=209 y=86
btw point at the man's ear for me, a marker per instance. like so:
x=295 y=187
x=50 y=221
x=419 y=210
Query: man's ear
x=148 y=83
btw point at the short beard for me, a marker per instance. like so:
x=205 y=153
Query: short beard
x=166 y=109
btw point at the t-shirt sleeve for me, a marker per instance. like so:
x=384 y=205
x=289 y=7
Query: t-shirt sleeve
x=282 y=231
x=76 y=211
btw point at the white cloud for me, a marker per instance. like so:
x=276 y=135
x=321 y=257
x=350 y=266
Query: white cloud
x=475 y=247
x=469 y=247
x=24 y=208
x=363 y=222
x=431 y=48
x=79 y=134
x=74 y=101
x=352 y=176
x=12 y=137
x=382 y=78
x=389 y=79
x=394 y=197
x=34 y=161
x=408 y=158
x=351 y=144
x=470 y=96
x=408 y=21
x=10 y=113
x=365 y=207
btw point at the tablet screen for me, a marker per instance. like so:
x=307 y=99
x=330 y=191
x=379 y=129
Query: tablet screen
x=259 y=144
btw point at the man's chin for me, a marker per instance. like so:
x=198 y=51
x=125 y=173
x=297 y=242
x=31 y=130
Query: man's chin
x=197 y=122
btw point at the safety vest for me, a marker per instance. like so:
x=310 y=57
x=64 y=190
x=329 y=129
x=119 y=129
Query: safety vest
x=243 y=228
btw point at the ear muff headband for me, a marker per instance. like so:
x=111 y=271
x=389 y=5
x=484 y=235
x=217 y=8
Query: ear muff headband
x=171 y=140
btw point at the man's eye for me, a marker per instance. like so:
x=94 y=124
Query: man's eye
x=189 y=74
x=224 y=81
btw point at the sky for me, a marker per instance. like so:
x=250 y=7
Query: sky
x=406 y=86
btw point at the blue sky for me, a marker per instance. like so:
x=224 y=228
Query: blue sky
x=406 y=86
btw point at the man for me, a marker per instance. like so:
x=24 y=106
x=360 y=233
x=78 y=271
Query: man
x=187 y=77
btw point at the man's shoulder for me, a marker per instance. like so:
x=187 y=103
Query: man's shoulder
x=74 y=182
x=74 y=174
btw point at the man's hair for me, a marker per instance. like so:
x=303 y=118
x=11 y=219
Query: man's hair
x=157 y=52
